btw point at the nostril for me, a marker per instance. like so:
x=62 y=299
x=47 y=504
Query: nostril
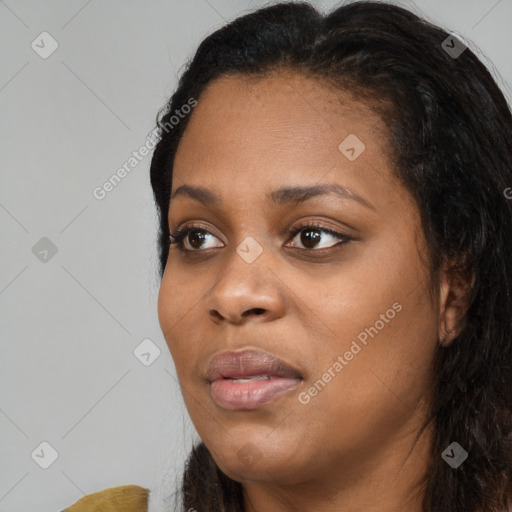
x=215 y=314
x=257 y=311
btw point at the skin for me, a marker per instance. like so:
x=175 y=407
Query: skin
x=351 y=447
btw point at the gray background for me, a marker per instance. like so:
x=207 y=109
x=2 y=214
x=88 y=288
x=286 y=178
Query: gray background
x=70 y=321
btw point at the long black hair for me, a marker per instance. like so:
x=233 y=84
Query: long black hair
x=451 y=133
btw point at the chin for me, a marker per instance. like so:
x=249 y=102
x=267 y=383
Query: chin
x=244 y=457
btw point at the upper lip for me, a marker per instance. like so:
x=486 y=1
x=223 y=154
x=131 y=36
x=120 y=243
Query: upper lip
x=248 y=363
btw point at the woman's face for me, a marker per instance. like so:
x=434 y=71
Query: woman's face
x=351 y=316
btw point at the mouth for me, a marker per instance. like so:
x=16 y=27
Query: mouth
x=249 y=379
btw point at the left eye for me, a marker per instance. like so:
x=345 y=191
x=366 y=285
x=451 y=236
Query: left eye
x=310 y=236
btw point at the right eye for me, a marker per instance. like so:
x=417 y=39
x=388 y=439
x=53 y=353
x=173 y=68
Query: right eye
x=182 y=237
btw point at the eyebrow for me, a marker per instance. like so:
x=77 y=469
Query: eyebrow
x=281 y=196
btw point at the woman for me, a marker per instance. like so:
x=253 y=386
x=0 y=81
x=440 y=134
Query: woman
x=336 y=251
x=338 y=195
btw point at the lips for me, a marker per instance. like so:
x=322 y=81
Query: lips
x=249 y=363
x=249 y=379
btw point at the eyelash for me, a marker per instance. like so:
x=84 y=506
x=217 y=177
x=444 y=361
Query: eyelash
x=177 y=238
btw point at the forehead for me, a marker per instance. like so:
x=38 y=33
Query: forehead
x=248 y=132
x=282 y=107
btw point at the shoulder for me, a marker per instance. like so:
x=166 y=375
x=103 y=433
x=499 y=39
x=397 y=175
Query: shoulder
x=128 y=498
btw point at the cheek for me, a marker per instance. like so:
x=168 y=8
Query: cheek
x=179 y=306
x=381 y=391
x=383 y=325
x=166 y=306
x=172 y=307
x=384 y=375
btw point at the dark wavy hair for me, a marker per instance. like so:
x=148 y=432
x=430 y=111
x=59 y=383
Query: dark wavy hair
x=451 y=134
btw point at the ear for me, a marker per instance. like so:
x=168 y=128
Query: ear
x=454 y=292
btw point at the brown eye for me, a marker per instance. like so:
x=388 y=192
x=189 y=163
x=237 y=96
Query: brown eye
x=311 y=235
x=191 y=238
x=196 y=238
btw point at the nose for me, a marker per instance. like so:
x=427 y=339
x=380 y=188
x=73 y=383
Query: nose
x=246 y=292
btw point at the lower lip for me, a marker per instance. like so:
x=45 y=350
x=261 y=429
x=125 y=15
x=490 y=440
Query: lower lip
x=234 y=396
